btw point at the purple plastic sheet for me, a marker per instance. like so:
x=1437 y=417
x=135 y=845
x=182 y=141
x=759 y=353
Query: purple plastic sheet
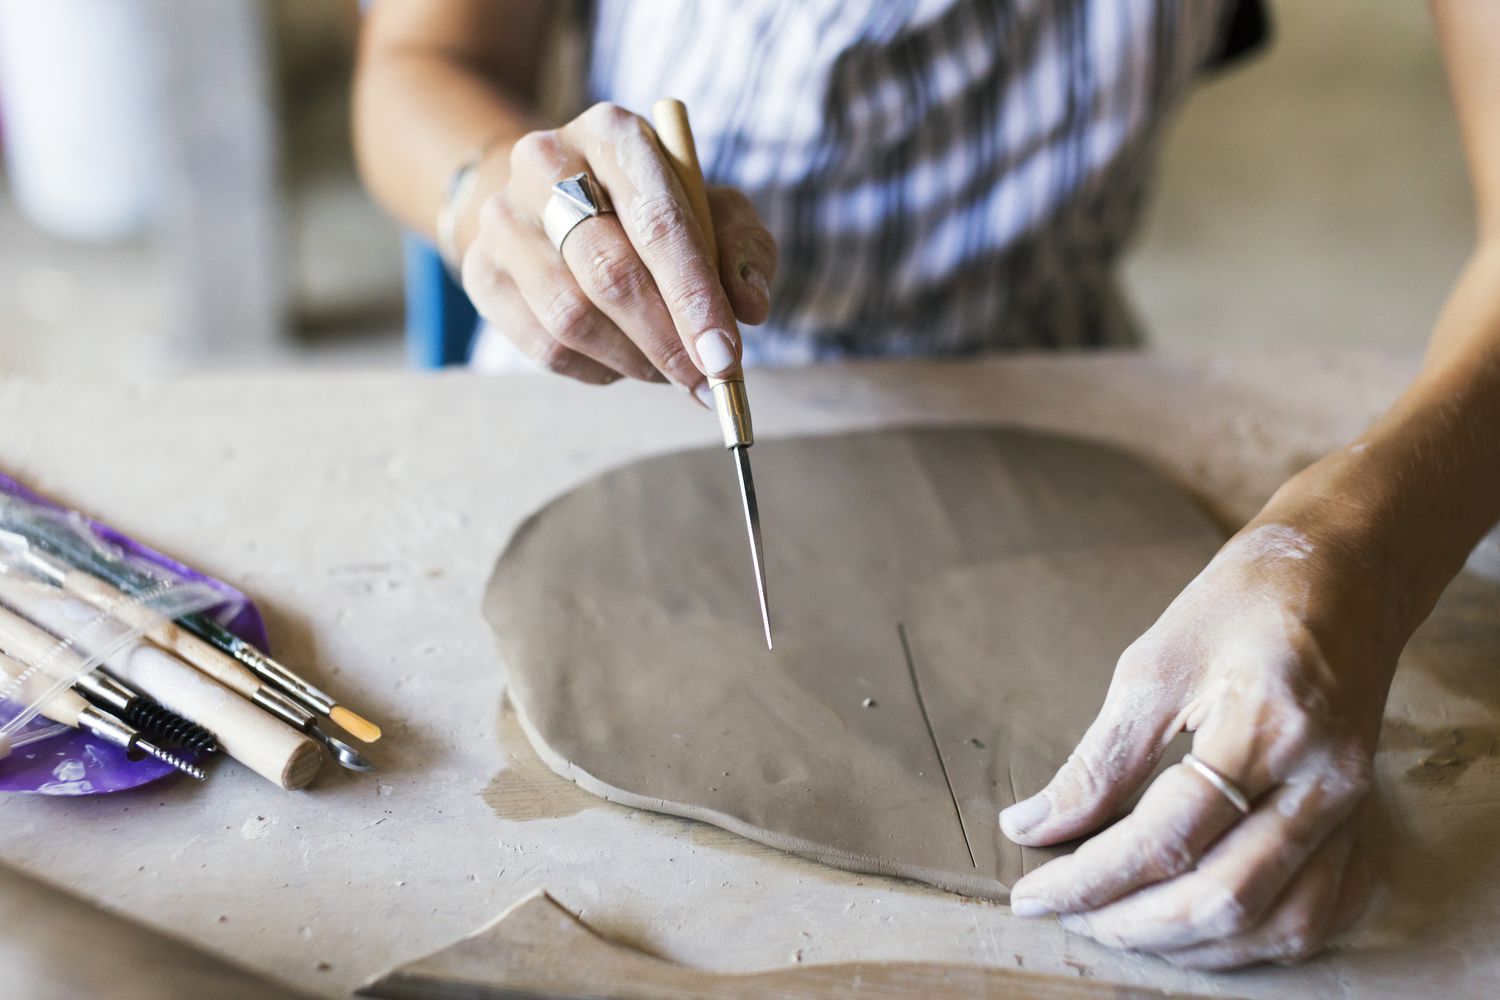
x=77 y=763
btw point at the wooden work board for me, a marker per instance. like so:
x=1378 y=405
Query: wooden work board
x=364 y=511
x=539 y=950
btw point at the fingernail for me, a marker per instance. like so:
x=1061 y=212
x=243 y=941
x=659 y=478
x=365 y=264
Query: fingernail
x=756 y=280
x=705 y=395
x=715 y=352
x=1073 y=922
x=1029 y=908
x=1017 y=819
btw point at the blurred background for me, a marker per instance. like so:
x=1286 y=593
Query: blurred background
x=178 y=190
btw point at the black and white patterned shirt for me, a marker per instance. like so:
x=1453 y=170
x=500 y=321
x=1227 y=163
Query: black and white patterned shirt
x=944 y=177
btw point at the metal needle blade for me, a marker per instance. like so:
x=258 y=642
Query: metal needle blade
x=730 y=402
x=752 y=525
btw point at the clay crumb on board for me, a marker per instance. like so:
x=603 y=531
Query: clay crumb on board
x=1445 y=752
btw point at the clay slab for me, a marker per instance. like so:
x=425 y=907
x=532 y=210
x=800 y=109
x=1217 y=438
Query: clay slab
x=948 y=607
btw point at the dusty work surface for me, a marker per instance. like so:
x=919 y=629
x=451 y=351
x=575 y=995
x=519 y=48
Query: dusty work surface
x=364 y=513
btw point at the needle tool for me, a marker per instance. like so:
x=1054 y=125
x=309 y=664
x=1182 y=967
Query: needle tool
x=730 y=400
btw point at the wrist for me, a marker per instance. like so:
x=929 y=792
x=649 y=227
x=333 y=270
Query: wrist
x=457 y=217
x=1326 y=570
x=1380 y=539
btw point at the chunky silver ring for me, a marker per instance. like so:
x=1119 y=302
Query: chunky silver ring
x=573 y=199
x=1230 y=790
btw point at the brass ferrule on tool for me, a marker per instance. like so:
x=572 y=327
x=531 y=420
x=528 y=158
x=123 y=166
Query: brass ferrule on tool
x=733 y=407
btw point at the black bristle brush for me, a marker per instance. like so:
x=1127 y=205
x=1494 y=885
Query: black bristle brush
x=169 y=728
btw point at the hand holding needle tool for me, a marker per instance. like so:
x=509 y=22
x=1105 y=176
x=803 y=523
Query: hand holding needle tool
x=730 y=400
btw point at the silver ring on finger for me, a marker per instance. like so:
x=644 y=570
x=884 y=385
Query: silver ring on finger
x=573 y=200
x=1229 y=789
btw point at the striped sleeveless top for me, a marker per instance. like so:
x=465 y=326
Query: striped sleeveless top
x=943 y=177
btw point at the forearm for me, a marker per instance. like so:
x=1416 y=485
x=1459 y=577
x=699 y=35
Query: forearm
x=1414 y=494
x=422 y=107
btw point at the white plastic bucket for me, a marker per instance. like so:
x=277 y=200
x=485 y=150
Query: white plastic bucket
x=75 y=93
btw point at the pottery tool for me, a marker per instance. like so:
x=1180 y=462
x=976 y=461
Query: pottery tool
x=40 y=534
x=40 y=650
x=269 y=669
x=262 y=743
x=69 y=708
x=191 y=649
x=670 y=118
x=147 y=714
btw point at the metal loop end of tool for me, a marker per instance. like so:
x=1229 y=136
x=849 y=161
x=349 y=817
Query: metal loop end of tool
x=733 y=408
x=300 y=718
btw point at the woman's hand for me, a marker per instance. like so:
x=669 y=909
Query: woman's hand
x=633 y=293
x=1278 y=657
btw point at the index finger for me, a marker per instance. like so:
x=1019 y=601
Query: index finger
x=1173 y=824
x=659 y=221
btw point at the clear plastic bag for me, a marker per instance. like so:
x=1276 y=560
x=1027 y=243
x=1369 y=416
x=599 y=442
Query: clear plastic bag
x=104 y=592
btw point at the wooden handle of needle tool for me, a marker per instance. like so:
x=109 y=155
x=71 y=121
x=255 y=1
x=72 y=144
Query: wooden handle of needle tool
x=670 y=118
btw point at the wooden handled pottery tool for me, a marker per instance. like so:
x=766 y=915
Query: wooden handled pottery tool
x=37 y=534
x=730 y=400
x=40 y=650
x=193 y=650
x=262 y=743
x=68 y=707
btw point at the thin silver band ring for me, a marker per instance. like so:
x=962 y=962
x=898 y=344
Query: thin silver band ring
x=1230 y=790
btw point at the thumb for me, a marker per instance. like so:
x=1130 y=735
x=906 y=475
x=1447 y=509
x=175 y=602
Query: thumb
x=1115 y=756
x=747 y=254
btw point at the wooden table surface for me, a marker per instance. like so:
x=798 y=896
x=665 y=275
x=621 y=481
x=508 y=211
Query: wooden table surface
x=364 y=512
